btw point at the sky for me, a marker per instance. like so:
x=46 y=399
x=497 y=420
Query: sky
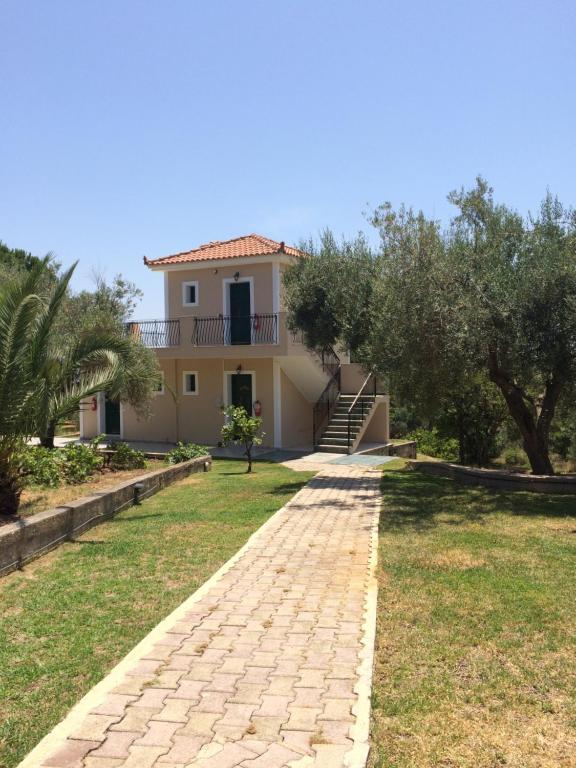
x=142 y=127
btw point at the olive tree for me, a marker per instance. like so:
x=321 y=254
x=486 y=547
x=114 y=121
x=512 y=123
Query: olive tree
x=494 y=294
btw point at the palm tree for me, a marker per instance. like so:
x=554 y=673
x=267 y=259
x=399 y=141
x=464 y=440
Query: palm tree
x=44 y=376
x=22 y=310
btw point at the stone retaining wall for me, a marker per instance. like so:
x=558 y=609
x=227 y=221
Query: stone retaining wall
x=406 y=450
x=31 y=537
x=501 y=480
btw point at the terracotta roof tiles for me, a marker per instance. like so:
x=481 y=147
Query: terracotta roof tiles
x=239 y=247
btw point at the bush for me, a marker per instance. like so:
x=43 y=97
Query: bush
x=431 y=443
x=514 y=457
x=184 y=452
x=42 y=466
x=402 y=420
x=80 y=462
x=126 y=457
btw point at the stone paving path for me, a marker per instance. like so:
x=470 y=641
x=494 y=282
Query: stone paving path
x=268 y=665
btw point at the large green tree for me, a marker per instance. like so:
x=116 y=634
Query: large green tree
x=460 y=320
x=328 y=295
x=495 y=294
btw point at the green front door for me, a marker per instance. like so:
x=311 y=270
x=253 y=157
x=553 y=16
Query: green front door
x=111 y=416
x=241 y=391
x=240 y=324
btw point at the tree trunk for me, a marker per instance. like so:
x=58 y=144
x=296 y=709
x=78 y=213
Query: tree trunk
x=461 y=434
x=535 y=429
x=10 y=490
x=47 y=440
x=248 y=454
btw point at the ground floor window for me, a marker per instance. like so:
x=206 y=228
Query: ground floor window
x=190 y=383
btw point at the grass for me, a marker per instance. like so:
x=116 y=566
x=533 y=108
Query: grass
x=476 y=639
x=37 y=499
x=69 y=617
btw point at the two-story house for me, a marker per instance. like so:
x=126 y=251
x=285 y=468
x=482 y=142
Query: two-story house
x=224 y=340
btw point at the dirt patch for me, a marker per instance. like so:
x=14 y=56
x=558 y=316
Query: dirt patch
x=456 y=559
x=37 y=499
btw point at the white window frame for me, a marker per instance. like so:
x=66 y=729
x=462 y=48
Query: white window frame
x=162 y=390
x=185 y=285
x=184 y=390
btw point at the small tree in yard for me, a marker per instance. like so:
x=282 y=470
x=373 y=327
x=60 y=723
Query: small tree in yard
x=242 y=429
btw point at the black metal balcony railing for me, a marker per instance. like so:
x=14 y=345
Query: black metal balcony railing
x=156 y=333
x=231 y=330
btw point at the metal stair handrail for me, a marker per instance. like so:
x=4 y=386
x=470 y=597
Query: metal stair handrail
x=324 y=406
x=362 y=404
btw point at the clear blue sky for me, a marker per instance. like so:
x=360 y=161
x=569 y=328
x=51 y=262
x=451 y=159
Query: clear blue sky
x=147 y=127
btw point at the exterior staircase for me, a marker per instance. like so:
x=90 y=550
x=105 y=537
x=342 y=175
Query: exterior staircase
x=346 y=423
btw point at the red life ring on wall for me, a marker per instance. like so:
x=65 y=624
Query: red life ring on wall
x=94 y=404
x=257 y=408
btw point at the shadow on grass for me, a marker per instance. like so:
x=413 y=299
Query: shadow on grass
x=284 y=488
x=415 y=500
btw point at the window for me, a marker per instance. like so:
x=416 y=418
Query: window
x=190 y=293
x=190 y=383
x=160 y=385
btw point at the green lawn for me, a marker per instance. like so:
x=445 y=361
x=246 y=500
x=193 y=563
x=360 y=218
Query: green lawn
x=476 y=644
x=70 y=616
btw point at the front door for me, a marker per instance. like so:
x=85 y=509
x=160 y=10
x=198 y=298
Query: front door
x=111 y=416
x=240 y=313
x=241 y=391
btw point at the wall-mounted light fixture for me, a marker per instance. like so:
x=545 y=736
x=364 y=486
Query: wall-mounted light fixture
x=239 y=369
x=215 y=271
x=236 y=276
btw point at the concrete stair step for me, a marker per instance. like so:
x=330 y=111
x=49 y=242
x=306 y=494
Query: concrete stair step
x=330 y=448
x=344 y=420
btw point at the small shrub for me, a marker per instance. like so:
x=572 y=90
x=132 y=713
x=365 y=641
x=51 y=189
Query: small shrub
x=242 y=429
x=80 y=462
x=514 y=457
x=431 y=443
x=184 y=452
x=126 y=457
x=42 y=466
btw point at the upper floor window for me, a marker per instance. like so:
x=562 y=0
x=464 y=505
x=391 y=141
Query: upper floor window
x=190 y=293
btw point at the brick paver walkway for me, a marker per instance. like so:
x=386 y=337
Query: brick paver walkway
x=268 y=666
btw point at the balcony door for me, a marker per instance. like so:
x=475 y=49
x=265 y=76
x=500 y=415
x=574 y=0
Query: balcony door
x=239 y=303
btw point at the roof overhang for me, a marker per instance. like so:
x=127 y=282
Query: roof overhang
x=272 y=258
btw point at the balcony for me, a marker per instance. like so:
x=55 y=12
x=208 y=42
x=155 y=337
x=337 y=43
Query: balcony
x=156 y=333
x=218 y=331
x=225 y=330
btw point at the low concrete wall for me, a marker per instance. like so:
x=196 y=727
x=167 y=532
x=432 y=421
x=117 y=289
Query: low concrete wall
x=406 y=450
x=31 y=537
x=501 y=480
